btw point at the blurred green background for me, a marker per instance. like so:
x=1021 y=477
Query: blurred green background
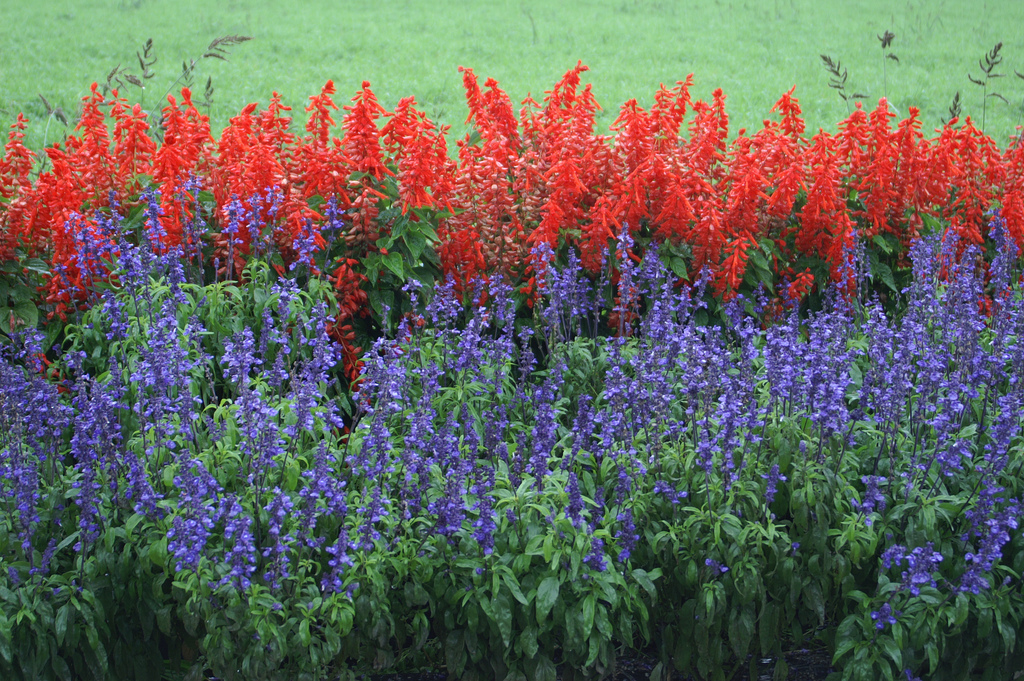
x=753 y=50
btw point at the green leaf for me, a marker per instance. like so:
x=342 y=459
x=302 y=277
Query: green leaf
x=416 y=244
x=678 y=266
x=528 y=641
x=415 y=594
x=502 y=610
x=781 y=672
x=547 y=595
x=291 y=475
x=758 y=259
x=769 y=628
x=371 y=265
x=882 y=244
x=644 y=580
x=1009 y=637
x=593 y=650
x=37 y=265
x=883 y=272
x=163 y=619
x=843 y=648
x=513 y=586
x=60 y=667
x=393 y=261
x=455 y=652
x=601 y=622
x=587 y=615
x=741 y=631
x=932 y=651
x=158 y=551
x=7 y=315
x=892 y=650
x=60 y=625
x=540 y=668
x=959 y=615
x=813 y=598
x=375 y=301
x=133 y=522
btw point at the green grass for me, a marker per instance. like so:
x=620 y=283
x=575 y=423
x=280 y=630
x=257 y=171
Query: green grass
x=753 y=49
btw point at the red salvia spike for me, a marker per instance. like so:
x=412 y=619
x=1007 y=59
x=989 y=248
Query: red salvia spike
x=911 y=184
x=851 y=143
x=668 y=113
x=17 y=188
x=320 y=167
x=17 y=161
x=788 y=107
x=825 y=223
x=980 y=171
x=743 y=206
x=730 y=275
x=501 y=119
x=875 y=186
x=184 y=152
x=1012 y=208
x=601 y=229
x=676 y=213
x=362 y=138
x=320 y=120
x=474 y=98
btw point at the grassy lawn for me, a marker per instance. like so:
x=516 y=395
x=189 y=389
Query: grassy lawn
x=755 y=50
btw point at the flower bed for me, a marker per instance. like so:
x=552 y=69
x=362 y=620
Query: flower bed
x=616 y=394
x=384 y=203
x=512 y=499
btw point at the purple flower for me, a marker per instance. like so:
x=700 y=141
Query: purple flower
x=485 y=524
x=32 y=419
x=596 y=559
x=545 y=418
x=47 y=558
x=96 y=447
x=885 y=616
x=372 y=514
x=262 y=443
x=626 y=534
x=922 y=563
x=664 y=488
x=333 y=578
x=873 y=500
x=716 y=566
x=582 y=430
x=574 y=511
x=773 y=477
x=241 y=557
x=240 y=357
x=991 y=530
x=304 y=245
x=323 y=495
x=278 y=548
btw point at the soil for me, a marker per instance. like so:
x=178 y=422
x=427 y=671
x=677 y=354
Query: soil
x=804 y=665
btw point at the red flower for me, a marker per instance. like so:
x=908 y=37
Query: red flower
x=825 y=223
x=362 y=138
x=15 y=186
x=185 y=151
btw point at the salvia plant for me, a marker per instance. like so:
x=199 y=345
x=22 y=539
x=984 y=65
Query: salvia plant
x=378 y=197
x=192 y=486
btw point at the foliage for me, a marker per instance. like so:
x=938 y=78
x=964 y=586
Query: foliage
x=515 y=500
x=385 y=203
